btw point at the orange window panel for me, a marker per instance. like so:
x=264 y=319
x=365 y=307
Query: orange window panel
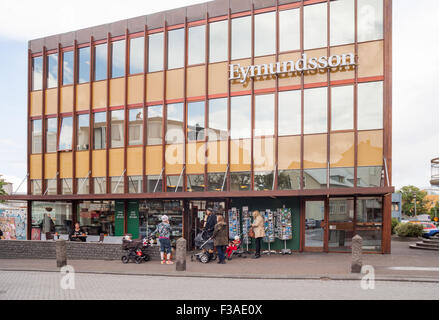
x=66 y=99
x=82 y=164
x=371 y=59
x=342 y=73
x=289 y=79
x=36 y=103
x=100 y=94
x=35 y=166
x=218 y=78
x=314 y=154
x=66 y=165
x=318 y=75
x=51 y=101
x=50 y=165
x=117 y=92
x=196 y=81
x=342 y=150
x=134 y=161
x=135 y=89
x=195 y=157
x=83 y=97
x=154 y=162
x=263 y=154
x=370 y=148
x=289 y=153
x=266 y=82
x=236 y=85
x=175 y=84
x=217 y=156
x=154 y=86
x=116 y=158
x=99 y=163
x=174 y=158
x=240 y=155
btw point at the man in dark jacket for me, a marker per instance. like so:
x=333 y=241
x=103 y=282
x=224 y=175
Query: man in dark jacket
x=210 y=222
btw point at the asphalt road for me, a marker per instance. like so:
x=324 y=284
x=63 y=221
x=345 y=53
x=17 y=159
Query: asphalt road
x=47 y=285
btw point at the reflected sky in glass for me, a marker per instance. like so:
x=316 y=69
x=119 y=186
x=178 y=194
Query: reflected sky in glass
x=155 y=52
x=65 y=137
x=52 y=70
x=315 y=26
x=195 y=121
x=84 y=65
x=137 y=53
x=68 y=68
x=265 y=34
x=370 y=106
x=197 y=45
x=342 y=108
x=118 y=59
x=154 y=125
x=240 y=117
x=100 y=117
x=342 y=22
x=241 y=38
x=290 y=113
x=316 y=112
x=370 y=20
x=218 y=119
x=175 y=119
x=37 y=73
x=289 y=30
x=264 y=115
x=175 y=49
x=218 y=41
x=101 y=62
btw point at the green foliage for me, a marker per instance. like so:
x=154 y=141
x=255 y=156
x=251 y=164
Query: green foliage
x=409 y=230
x=434 y=211
x=395 y=223
x=408 y=201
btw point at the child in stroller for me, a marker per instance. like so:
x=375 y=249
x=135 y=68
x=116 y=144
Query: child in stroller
x=205 y=244
x=233 y=247
x=135 y=250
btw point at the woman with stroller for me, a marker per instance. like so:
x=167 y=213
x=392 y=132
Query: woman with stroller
x=220 y=238
x=258 y=228
x=164 y=231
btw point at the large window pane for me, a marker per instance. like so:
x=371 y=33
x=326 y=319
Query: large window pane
x=100 y=62
x=196 y=121
x=51 y=133
x=155 y=52
x=174 y=183
x=154 y=184
x=51 y=187
x=342 y=22
x=241 y=117
x=369 y=222
x=370 y=177
x=265 y=34
x=84 y=65
x=341 y=224
x=315 y=178
x=83 y=132
x=288 y=180
x=96 y=217
x=68 y=68
x=52 y=70
x=197 y=45
x=315 y=26
x=174 y=123
x=100 y=185
x=117 y=185
x=218 y=41
x=67 y=186
x=316 y=112
x=341 y=178
x=52 y=217
x=370 y=20
x=37 y=136
x=83 y=185
x=117 y=128
x=195 y=182
x=176 y=49
x=241 y=38
x=240 y=181
x=35 y=188
x=118 y=59
x=100 y=130
x=264 y=181
x=154 y=125
x=290 y=113
x=66 y=134
x=37 y=73
x=135 y=127
x=135 y=184
x=216 y=182
x=264 y=115
x=289 y=29
x=137 y=55
x=218 y=119
x=370 y=106
x=342 y=108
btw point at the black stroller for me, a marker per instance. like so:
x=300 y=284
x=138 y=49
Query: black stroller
x=205 y=244
x=135 y=251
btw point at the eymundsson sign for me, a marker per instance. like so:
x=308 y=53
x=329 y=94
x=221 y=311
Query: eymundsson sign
x=304 y=64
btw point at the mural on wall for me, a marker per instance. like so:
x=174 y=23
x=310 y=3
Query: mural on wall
x=13 y=223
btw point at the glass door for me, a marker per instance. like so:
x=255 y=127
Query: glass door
x=314 y=225
x=341 y=224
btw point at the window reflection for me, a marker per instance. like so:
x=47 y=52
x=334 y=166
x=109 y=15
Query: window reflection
x=174 y=123
x=289 y=30
x=100 y=185
x=370 y=177
x=240 y=181
x=218 y=129
x=37 y=136
x=290 y=113
x=370 y=106
x=241 y=38
x=315 y=26
x=100 y=130
x=117 y=128
x=265 y=34
x=264 y=115
x=154 y=125
x=67 y=186
x=137 y=53
x=83 y=185
x=174 y=183
x=175 y=49
x=155 y=52
x=342 y=108
x=342 y=22
x=51 y=132
x=369 y=222
x=218 y=41
x=52 y=70
x=154 y=184
x=289 y=180
x=197 y=45
x=264 y=181
x=68 y=68
x=37 y=73
x=195 y=121
x=241 y=117
x=135 y=127
x=216 y=182
x=195 y=183
x=83 y=132
x=341 y=178
x=118 y=59
x=370 y=20
x=117 y=185
x=100 y=62
x=135 y=184
x=315 y=178
x=316 y=112
x=84 y=65
x=66 y=134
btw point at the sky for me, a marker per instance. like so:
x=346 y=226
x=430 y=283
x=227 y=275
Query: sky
x=415 y=106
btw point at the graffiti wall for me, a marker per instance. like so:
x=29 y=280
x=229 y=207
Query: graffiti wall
x=13 y=223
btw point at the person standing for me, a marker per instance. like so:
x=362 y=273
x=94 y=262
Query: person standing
x=258 y=228
x=220 y=239
x=210 y=223
x=164 y=231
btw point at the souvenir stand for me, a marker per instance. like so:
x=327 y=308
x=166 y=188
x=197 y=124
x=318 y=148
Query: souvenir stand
x=284 y=230
x=269 y=226
x=234 y=223
x=246 y=225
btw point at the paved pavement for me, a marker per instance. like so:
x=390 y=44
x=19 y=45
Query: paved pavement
x=402 y=264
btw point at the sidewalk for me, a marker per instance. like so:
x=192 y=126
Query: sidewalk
x=297 y=266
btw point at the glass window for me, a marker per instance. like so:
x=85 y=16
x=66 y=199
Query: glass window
x=52 y=70
x=265 y=34
x=37 y=73
x=51 y=187
x=370 y=177
x=68 y=67
x=341 y=221
x=137 y=55
x=84 y=65
x=370 y=106
x=51 y=134
x=100 y=62
x=315 y=26
x=315 y=179
x=155 y=125
x=264 y=115
x=154 y=184
x=52 y=217
x=135 y=184
x=83 y=134
x=66 y=134
x=174 y=183
x=100 y=185
x=37 y=136
x=35 y=187
x=342 y=108
x=341 y=178
x=83 y=185
x=288 y=180
x=117 y=129
x=218 y=119
x=117 y=185
x=241 y=38
x=96 y=217
x=216 y=182
x=135 y=127
x=241 y=117
x=67 y=186
x=197 y=45
x=155 y=52
x=118 y=59
x=264 y=181
x=175 y=49
x=100 y=130
x=218 y=41
x=290 y=113
x=195 y=121
x=195 y=183
x=370 y=20
x=289 y=30
x=316 y=110
x=174 y=123
x=369 y=222
x=240 y=181
x=342 y=22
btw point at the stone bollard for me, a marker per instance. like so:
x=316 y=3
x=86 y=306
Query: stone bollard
x=181 y=255
x=357 y=254
x=61 y=253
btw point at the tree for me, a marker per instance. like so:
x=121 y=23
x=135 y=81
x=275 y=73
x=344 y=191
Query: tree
x=2 y=184
x=408 y=201
x=434 y=211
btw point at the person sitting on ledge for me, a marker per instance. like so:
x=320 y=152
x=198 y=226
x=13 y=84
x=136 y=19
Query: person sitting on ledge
x=77 y=234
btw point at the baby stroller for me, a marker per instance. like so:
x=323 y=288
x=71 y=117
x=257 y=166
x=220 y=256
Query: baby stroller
x=235 y=249
x=135 y=251
x=205 y=244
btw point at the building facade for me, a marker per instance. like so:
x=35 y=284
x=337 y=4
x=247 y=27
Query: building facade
x=262 y=104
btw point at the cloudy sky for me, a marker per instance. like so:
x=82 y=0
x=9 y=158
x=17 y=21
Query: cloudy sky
x=415 y=106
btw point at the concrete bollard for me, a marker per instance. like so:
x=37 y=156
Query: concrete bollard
x=61 y=253
x=181 y=255
x=357 y=254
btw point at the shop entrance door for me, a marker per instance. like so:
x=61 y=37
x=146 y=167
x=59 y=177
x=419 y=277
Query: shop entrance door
x=315 y=226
